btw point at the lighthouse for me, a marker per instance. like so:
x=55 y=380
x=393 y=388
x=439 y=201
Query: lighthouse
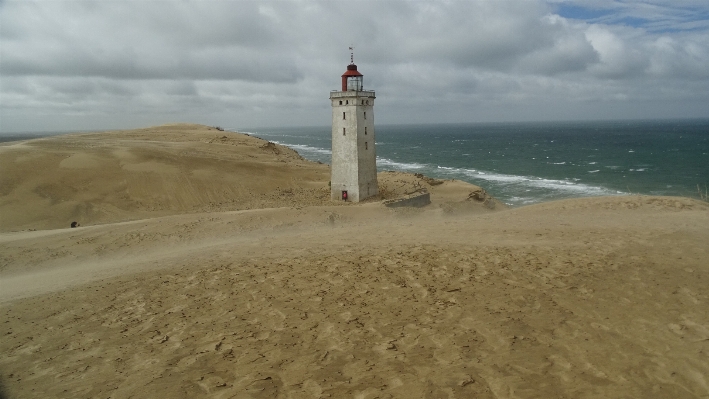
x=353 y=175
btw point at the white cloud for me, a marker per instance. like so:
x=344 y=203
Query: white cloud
x=618 y=58
x=686 y=59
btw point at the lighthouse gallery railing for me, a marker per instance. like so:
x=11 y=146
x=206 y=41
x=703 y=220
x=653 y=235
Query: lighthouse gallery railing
x=351 y=93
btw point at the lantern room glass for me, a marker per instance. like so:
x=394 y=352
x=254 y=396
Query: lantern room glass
x=354 y=83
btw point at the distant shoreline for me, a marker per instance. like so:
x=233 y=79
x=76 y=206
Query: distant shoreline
x=522 y=163
x=9 y=137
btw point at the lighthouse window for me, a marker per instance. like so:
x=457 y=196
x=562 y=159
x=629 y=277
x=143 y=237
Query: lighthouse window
x=365 y=114
x=343 y=131
x=365 y=130
x=343 y=116
x=340 y=102
x=365 y=146
x=362 y=102
x=347 y=102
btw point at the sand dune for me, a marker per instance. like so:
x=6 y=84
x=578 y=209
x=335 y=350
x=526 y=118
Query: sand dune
x=116 y=176
x=172 y=169
x=267 y=290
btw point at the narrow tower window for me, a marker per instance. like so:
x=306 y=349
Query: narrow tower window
x=340 y=102
x=343 y=131
x=366 y=147
x=365 y=130
x=343 y=116
x=365 y=114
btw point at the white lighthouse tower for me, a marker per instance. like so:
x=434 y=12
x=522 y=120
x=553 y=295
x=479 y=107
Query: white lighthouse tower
x=354 y=161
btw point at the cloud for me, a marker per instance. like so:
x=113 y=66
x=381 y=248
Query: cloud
x=617 y=58
x=687 y=59
x=651 y=15
x=143 y=40
x=570 y=50
x=91 y=64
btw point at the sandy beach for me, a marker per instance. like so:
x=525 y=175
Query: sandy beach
x=213 y=264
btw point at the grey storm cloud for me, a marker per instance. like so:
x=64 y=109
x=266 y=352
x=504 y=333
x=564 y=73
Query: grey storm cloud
x=97 y=64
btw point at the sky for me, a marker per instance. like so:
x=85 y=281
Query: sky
x=110 y=64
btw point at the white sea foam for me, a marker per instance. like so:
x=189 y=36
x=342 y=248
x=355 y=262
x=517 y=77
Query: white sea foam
x=385 y=162
x=521 y=200
x=266 y=134
x=303 y=147
x=534 y=183
x=305 y=150
x=399 y=165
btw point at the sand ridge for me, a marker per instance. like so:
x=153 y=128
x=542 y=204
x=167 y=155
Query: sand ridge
x=123 y=175
x=108 y=177
x=596 y=297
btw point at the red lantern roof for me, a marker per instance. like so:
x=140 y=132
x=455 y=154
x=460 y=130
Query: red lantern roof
x=351 y=71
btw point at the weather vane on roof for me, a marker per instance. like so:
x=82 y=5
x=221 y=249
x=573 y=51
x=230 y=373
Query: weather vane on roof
x=351 y=54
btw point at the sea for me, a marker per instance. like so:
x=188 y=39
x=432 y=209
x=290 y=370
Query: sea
x=528 y=163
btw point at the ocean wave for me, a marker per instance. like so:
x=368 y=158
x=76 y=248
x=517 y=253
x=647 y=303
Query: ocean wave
x=571 y=186
x=399 y=165
x=233 y=130
x=301 y=136
x=521 y=200
x=263 y=133
x=306 y=148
